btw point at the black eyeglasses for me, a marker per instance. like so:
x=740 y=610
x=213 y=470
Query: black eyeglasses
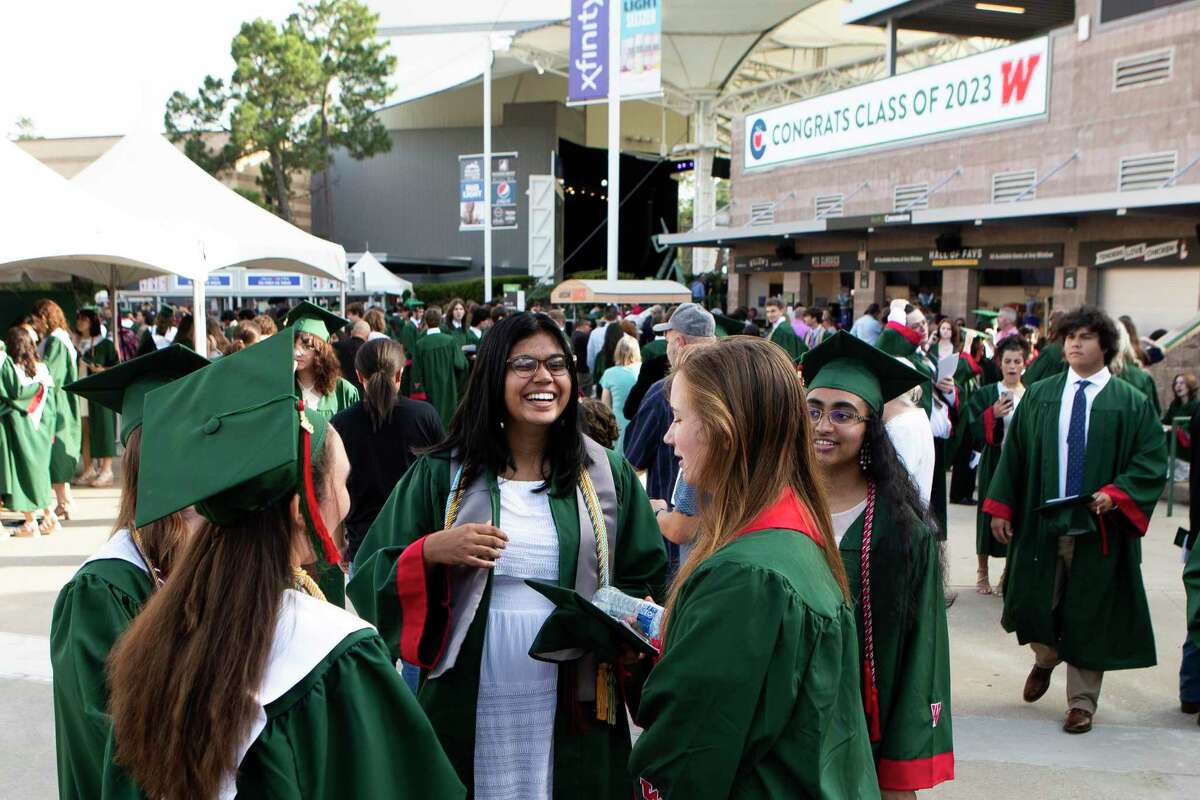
x=526 y=366
x=838 y=416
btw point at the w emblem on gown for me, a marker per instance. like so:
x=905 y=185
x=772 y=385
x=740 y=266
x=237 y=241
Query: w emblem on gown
x=648 y=790
x=935 y=709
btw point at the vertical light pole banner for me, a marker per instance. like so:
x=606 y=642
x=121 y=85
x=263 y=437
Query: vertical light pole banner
x=504 y=192
x=641 y=48
x=587 y=76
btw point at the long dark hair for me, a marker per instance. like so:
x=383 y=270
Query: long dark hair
x=612 y=337
x=477 y=428
x=895 y=489
x=185 y=333
x=185 y=675
x=22 y=350
x=378 y=361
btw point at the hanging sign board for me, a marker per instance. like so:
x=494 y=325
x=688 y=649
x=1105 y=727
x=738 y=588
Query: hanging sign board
x=1181 y=252
x=1000 y=86
x=640 y=50
x=504 y=192
x=1031 y=256
x=802 y=262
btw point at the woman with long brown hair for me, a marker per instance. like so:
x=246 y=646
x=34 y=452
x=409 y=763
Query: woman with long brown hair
x=26 y=433
x=236 y=678
x=96 y=606
x=57 y=351
x=757 y=690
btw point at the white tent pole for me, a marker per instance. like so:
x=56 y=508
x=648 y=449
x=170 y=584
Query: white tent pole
x=199 y=317
x=487 y=172
x=115 y=330
x=614 y=135
x=342 y=310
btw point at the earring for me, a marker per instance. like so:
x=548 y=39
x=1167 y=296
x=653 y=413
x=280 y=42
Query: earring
x=864 y=457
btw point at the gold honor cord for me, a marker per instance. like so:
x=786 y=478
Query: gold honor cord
x=303 y=582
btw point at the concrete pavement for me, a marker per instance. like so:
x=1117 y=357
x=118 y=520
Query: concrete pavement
x=1142 y=746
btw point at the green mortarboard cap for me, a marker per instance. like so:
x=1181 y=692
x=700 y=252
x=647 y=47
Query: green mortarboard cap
x=230 y=439
x=986 y=313
x=164 y=310
x=729 y=325
x=413 y=302
x=577 y=624
x=847 y=363
x=311 y=318
x=123 y=388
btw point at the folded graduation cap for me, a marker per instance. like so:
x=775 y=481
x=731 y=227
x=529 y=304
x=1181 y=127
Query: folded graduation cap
x=123 y=387
x=311 y=318
x=232 y=438
x=731 y=326
x=578 y=624
x=847 y=363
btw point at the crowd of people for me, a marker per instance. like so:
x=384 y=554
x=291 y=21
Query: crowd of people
x=469 y=478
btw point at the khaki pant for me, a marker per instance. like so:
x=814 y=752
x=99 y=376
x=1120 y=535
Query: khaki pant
x=1083 y=685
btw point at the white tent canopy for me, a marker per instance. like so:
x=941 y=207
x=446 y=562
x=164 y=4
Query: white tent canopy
x=51 y=229
x=368 y=276
x=148 y=178
x=575 y=291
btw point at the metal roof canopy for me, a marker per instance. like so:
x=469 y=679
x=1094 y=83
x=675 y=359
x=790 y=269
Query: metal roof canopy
x=621 y=291
x=1007 y=19
x=1182 y=201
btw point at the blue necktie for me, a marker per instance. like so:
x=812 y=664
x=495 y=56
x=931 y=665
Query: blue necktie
x=1077 y=440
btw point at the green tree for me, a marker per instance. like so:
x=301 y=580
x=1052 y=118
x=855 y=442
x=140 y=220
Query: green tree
x=23 y=130
x=297 y=91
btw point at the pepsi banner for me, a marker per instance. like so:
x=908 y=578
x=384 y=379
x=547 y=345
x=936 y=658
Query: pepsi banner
x=504 y=192
x=1005 y=85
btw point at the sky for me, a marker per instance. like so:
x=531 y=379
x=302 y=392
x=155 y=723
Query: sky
x=103 y=67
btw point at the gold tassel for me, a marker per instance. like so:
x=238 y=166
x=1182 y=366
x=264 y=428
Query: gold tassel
x=602 y=692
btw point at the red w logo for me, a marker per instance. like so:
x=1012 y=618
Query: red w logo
x=936 y=710
x=1017 y=80
x=648 y=790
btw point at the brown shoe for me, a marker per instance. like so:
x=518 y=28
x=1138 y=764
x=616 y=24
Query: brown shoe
x=1078 y=721
x=1037 y=683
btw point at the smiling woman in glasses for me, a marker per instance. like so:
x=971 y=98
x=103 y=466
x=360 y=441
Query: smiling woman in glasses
x=525 y=704
x=885 y=538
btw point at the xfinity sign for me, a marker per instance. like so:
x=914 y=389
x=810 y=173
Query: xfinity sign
x=1000 y=86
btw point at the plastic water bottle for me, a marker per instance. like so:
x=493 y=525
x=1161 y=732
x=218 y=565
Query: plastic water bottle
x=642 y=615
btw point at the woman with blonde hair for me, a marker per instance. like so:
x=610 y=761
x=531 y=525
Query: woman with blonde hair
x=619 y=380
x=757 y=690
x=1125 y=365
x=58 y=353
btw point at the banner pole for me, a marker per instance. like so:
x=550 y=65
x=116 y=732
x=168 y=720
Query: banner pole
x=487 y=172
x=614 y=136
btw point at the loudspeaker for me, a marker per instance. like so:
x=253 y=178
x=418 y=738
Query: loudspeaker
x=786 y=249
x=948 y=242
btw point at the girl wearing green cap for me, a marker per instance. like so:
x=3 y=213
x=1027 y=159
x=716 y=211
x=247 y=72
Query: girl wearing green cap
x=58 y=353
x=237 y=678
x=756 y=693
x=514 y=493
x=95 y=607
x=891 y=556
x=27 y=414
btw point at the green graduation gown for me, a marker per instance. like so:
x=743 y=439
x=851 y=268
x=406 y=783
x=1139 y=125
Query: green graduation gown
x=331 y=579
x=92 y=611
x=26 y=434
x=757 y=691
x=1139 y=379
x=590 y=757
x=407 y=336
x=1191 y=584
x=336 y=720
x=1103 y=621
x=1049 y=362
x=913 y=738
x=102 y=422
x=438 y=361
x=785 y=337
x=654 y=349
x=59 y=358
x=1180 y=432
x=986 y=436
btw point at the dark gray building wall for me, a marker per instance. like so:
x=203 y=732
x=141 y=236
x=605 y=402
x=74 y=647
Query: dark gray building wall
x=405 y=202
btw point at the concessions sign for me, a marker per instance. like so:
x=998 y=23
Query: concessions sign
x=1181 y=252
x=1032 y=256
x=803 y=262
x=1000 y=86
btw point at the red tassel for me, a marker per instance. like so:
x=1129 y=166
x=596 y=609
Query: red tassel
x=871 y=702
x=332 y=556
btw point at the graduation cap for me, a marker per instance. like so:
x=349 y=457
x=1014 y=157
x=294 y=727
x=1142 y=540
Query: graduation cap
x=577 y=625
x=123 y=387
x=413 y=302
x=847 y=363
x=231 y=439
x=166 y=310
x=311 y=318
x=731 y=326
x=986 y=313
